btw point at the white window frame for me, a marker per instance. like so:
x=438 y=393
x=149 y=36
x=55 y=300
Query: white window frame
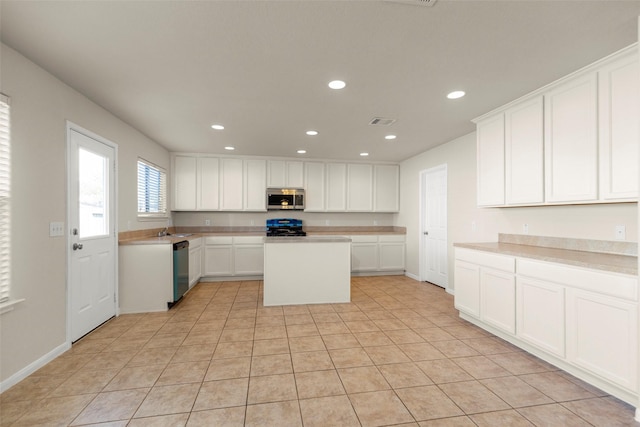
x=6 y=303
x=162 y=212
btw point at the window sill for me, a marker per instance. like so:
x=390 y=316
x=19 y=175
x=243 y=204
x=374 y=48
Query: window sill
x=8 y=306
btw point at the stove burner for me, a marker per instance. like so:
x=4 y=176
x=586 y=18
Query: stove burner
x=285 y=227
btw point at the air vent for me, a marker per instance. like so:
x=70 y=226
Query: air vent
x=415 y=2
x=379 y=121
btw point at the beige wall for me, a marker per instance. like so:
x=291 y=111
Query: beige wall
x=40 y=106
x=578 y=221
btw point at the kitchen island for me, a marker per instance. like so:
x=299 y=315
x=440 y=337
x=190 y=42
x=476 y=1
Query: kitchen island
x=307 y=270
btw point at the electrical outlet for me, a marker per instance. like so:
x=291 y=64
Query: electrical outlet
x=207 y=222
x=525 y=228
x=621 y=232
x=253 y=222
x=474 y=226
x=56 y=229
x=375 y=222
x=326 y=222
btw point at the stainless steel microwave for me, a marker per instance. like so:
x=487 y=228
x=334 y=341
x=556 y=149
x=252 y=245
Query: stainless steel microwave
x=285 y=199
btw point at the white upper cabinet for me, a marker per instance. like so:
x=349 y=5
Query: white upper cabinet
x=490 y=157
x=281 y=173
x=184 y=183
x=574 y=141
x=524 y=144
x=208 y=183
x=336 y=187
x=231 y=183
x=359 y=187
x=571 y=141
x=386 y=186
x=255 y=185
x=314 y=196
x=619 y=128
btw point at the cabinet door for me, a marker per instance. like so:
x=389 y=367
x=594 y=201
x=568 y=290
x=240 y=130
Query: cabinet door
x=540 y=318
x=602 y=336
x=467 y=288
x=571 y=141
x=218 y=260
x=336 y=187
x=524 y=160
x=255 y=185
x=498 y=299
x=490 y=158
x=295 y=174
x=314 y=200
x=391 y=256
x=248 y=259
x=386 y=188
x=619 y=128
x=208 y=183
x=184 y=183
x=231 y=184
x=276 y=174
x=364 y=256
x=195 y=266
x=359 y=187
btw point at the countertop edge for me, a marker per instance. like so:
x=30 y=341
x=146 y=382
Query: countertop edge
x=555 y=255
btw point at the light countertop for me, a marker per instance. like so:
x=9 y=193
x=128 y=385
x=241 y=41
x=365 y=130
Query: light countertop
x=625 y=264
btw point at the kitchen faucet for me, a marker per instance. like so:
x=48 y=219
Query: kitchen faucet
x=163 y=232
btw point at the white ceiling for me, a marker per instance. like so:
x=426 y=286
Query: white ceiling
x=261 y=68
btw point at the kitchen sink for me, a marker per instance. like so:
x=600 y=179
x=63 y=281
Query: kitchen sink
x=181 y=234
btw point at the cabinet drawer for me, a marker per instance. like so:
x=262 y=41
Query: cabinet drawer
x=364 y=238
x=248 y=240
x=384 y=238
x=612 y=284
x=219 y=240
x=195 y=243
x=499 y=262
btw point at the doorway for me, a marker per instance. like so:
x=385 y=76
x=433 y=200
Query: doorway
x=91 y=242
x=433 y=226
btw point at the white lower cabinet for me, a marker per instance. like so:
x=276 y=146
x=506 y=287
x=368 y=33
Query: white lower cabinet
x=195 y=261
x=540 y=308
x=602 y=336
x=497 y=299
x=248 y=256
x=233 y=256
x=583 y=320
x=377 y=253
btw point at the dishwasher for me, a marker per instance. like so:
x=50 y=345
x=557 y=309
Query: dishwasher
x=180 y=270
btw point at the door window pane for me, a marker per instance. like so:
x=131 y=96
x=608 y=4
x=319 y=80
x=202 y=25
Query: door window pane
x=92 y=194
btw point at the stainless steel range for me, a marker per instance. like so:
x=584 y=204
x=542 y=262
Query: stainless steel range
x=285 y=227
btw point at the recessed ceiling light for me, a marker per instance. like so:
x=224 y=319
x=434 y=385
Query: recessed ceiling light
x=390 y=137
x=217 y=127
x=456 y=94
x=364 y=154
x=312 y=132
x=337 y=84
x=301 y=151
x=230 y=148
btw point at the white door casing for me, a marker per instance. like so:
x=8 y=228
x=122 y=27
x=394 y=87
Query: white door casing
x=433 y=226
x=91 y=244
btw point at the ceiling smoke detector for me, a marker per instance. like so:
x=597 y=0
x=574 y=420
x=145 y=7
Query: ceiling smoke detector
x=415 y=2
x=380 y=121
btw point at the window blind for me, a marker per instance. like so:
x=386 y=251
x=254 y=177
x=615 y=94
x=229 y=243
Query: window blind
x=5 y=192
x=152 y=190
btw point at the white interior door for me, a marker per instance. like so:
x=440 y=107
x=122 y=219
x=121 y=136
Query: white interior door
x=92 y=242
x=433 y=244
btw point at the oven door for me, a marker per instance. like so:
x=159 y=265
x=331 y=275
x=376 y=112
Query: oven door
x=280 y=201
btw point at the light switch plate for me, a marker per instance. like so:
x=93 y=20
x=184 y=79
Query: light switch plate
x=56 y=229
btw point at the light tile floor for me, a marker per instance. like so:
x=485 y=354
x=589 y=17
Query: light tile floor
x=396 y=355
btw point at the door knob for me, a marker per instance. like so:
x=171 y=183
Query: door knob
x=426 y=233
x=77 y=246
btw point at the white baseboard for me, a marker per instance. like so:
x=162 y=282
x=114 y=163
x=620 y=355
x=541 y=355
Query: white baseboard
x=32 y=367
x=412 y=276
x=451 y=291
